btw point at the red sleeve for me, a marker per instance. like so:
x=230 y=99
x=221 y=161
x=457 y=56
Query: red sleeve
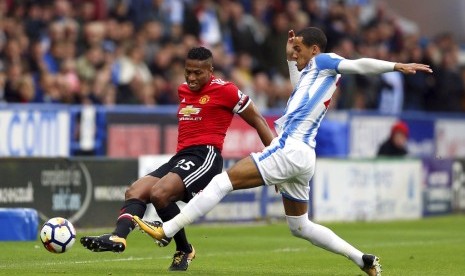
x=234 y=99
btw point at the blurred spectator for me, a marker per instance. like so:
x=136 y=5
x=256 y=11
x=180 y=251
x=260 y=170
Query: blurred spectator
x=241 y=73
x=207 y=15
x=34 y=24
x=298 y=18
x=133 y=79
x=396 y=143
x=281 y=89
x=261 y=91
x=49 y=88
x=41 y=40
x=89 y=63
x=88 y=11
x=338 y=23
x=12 y=51
x=93 y=35
x=275 y=46
x=152 y=33
x=314 y=11
x=225 y=64
x=246 y=34
x=168 y=13
x=391 y=91
x=347 y=95
x=417 y=86
x=391 y=94
x=256 y=84
x=19 y=85
x=261 y=12
x=54 y=56
x=68 y=80
x=449 y=90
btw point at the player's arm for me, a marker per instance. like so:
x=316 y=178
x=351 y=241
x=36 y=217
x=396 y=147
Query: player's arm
x=252 y=116
x=376 y=66
x=294 y=74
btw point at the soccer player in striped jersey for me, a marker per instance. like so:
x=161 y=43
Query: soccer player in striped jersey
x=289 y=161
x=206 y=108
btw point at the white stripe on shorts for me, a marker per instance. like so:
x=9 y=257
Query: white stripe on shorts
x=202 y=169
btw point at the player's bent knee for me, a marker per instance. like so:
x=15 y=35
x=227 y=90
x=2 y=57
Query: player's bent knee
x=137 y=192
x=133 y=192
x=159 y=197
x=297 y=233
x=296 y=230
x=299 y=225
x=140 y=189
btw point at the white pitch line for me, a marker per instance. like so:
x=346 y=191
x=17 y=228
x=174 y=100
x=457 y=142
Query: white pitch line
x=223 y=253
x=118 y=260
x=92 y=261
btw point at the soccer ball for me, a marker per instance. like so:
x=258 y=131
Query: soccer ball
x=58 y=235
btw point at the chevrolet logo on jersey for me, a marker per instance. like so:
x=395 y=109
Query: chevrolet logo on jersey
x=189 y=110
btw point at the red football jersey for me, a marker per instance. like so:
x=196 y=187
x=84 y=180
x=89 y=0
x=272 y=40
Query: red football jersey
x=204 y=116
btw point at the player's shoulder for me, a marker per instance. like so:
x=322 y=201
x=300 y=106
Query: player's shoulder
x=217 y=82
x=220 y=84
x=328 y=60
x=324 y=57
x=334 y=55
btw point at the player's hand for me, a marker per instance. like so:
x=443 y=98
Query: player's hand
x=289 y=45
x=412 y=68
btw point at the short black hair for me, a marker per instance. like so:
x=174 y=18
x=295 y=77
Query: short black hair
x=199 y=53
x=313 y=36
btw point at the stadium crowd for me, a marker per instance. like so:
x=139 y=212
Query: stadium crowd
x=131 y=51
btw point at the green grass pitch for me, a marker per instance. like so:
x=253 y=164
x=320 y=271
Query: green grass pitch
x=432 y=246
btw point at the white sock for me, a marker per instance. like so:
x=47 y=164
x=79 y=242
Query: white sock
x=200 y=205
x=323 y=237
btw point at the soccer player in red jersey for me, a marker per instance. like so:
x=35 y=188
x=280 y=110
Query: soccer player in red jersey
x=207 y=106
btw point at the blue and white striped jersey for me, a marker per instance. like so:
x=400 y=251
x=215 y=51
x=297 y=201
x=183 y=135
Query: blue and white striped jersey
x=310 y=98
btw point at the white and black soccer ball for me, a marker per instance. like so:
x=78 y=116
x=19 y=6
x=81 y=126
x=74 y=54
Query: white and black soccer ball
x=58 y=235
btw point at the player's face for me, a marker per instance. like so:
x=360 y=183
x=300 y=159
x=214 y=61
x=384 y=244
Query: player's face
x=303 y=53
x=197 y=73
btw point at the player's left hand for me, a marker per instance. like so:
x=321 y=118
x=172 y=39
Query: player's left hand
x=412 y=68
x=290 y=45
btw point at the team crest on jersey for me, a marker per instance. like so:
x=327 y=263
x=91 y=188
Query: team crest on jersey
x=204 y=99
x=189 y=110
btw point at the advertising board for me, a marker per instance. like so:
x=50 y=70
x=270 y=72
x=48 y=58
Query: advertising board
x=89 y=192
x=367 y=190
x=34 y=132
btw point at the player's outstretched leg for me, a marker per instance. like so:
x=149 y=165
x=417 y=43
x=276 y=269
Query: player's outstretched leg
x=371 y=265
x=325 y=238
x=153 y=229
x=116 y=241
x=181 y=260
x=105 y=242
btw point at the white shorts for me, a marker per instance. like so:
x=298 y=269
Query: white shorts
x=289 y=165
